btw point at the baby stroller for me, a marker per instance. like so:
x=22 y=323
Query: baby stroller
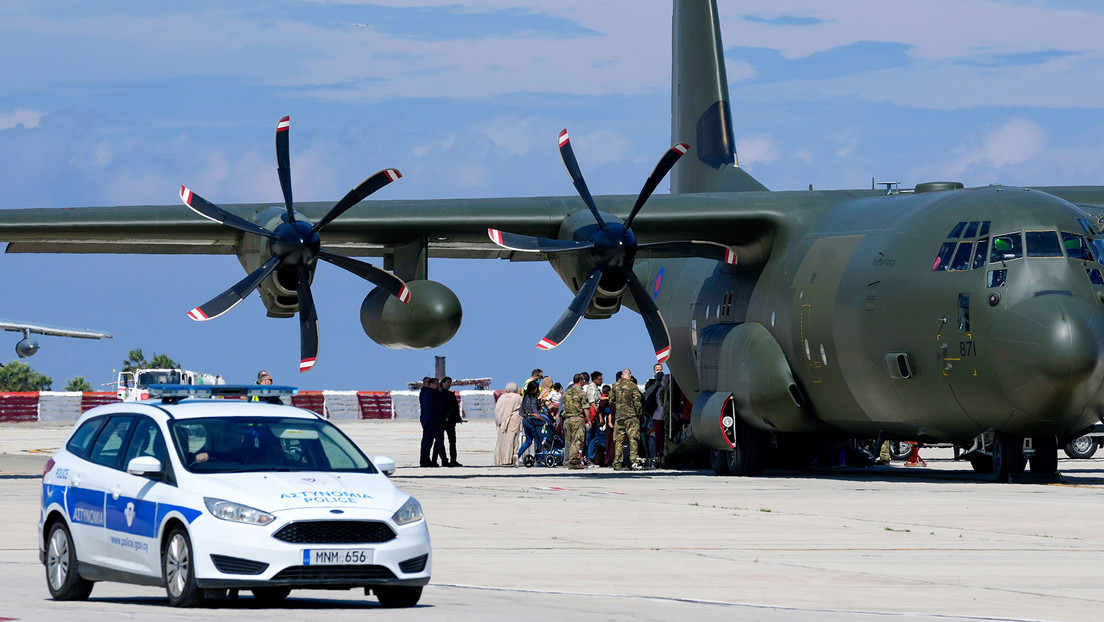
x=548 y=447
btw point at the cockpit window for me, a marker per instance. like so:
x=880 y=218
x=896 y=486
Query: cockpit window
x=984 y=229
x=961 y=259
x=981 y=252
x=1043 y=244
x=945 y=254
x=1006 y=247
x=971 y=230
x=1075 y=246
x=957 y=231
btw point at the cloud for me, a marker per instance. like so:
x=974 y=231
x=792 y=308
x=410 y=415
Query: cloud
x=785 y=20
x=1017 y=141
x=758 y=149
x=20 y=116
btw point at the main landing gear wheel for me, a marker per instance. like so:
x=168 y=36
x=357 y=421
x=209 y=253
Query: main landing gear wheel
x=61 y=566
x=981 y=462
x=748 y=458
x=1008 y=457
x=1080 y=448
x=719 y=459
x=1045 y=460
x=178 y=570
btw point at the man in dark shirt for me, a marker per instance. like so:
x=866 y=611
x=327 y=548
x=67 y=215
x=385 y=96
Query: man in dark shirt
x=433 y=421
x=452 y=417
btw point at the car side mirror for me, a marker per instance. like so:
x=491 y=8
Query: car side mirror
x=145 y=466
x=385 y=464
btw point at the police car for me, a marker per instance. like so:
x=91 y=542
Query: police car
x=204 y=496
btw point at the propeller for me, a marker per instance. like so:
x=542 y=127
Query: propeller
x=612 y=248
x=295 y=246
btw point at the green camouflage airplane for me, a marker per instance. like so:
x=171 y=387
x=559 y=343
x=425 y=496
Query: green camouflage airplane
x=944 y=314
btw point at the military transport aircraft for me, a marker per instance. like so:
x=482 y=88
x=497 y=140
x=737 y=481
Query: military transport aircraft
x=27 y=346
x=972 y=316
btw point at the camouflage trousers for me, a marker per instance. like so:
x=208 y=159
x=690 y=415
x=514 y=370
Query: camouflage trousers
x=624 y=429
x=574 y=433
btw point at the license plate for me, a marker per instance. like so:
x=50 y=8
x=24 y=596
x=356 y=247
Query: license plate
x=337 y=557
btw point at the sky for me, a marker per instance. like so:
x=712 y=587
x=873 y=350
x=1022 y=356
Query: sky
x=119 y=103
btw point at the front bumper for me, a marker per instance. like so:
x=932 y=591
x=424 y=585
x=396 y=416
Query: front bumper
x=232 y=555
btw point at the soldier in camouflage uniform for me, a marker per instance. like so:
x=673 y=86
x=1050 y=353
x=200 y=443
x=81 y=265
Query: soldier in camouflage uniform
x=574 y=420
x=625 y=397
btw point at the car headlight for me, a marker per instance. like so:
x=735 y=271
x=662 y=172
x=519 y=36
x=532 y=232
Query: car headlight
x=410 y=512
x=237 y=512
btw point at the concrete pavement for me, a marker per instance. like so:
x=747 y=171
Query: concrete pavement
x=882 y=543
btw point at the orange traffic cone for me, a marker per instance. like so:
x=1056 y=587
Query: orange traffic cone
x=914 y=457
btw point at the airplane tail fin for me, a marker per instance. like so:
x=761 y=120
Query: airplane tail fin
x=700 y=112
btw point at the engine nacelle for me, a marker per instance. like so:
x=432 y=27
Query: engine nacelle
x=26 y=347
x=429 y=320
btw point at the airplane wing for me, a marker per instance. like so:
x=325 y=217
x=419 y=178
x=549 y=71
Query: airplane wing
x=455 y=228
x=56 y=331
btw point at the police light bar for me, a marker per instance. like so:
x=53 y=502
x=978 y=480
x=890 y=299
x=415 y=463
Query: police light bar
x=172 y=393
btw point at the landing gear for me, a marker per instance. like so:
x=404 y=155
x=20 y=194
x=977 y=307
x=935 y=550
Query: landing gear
x=747 y=458
x=981 y=463
x=1008 y=456
x=1045 y=460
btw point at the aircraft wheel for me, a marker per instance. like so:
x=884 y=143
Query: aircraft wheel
x=1045 y=460
x=899 y=450
x=748 y=457
x=1081 y=448
x=720 y=461
x=1008 y=458
x=981 y=462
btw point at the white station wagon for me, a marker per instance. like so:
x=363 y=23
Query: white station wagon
x=204 y=496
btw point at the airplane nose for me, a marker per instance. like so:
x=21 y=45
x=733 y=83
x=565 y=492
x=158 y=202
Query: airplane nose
x=1048 y=354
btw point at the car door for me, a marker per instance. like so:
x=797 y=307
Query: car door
x=89 y=482
x=131 y=503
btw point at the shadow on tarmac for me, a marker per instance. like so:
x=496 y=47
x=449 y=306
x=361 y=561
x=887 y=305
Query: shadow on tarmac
x=247 y=602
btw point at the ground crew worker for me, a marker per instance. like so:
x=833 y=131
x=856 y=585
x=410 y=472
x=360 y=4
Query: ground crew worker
x=574 y=420
x=625 y=398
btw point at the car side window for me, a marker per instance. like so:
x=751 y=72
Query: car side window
x=81 y=440
x=108 y=444
x=147 y=440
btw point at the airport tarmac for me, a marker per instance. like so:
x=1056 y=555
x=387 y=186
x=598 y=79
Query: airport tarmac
x=886 y=543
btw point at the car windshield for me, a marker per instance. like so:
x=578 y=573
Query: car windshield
x=147 y=378
x=247 y=444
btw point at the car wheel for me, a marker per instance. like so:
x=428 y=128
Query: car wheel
x=61 y=566
x=395 y=596
x=178 y=570
x=271 y=595
x=1081 y=448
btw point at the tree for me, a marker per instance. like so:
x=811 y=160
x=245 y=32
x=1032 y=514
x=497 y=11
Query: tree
x=17 y=376
x=78 y=384
x=137 y=360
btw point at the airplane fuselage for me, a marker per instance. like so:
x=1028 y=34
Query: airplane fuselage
x=897 y=314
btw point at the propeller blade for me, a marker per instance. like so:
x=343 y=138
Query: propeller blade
x=528 y=243
x=370 y=273
x=705 y=250
x=658 y=173
x=230 y=298
x=308 y=322
x=283 y=164
x=657 y=329
x=210 y=211
x=358 y=194
x=570 y=318
x=568 y=156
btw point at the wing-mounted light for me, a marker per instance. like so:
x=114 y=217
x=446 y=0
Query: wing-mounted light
x=293 y=248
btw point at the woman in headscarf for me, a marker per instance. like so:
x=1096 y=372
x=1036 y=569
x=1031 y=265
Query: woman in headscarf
x=508 y=421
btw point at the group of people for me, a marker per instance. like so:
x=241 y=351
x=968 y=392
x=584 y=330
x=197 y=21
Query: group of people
x=589 y=414
x=440 y=412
